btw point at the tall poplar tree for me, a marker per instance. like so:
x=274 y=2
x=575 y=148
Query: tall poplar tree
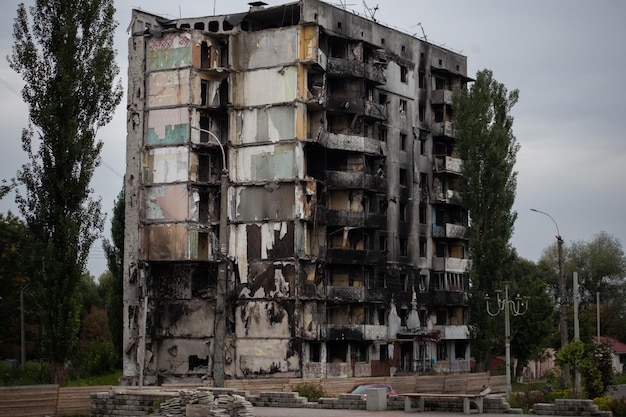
x=488 y=149
x=65 y=55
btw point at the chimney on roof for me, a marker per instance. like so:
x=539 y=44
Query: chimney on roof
x=257 y=5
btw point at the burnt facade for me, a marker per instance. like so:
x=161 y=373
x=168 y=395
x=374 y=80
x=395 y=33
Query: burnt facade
x=291 y=199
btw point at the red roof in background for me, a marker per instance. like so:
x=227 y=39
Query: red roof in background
x=616 y=345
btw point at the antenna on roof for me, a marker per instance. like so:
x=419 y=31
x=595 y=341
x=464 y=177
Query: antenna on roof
x=344 y=5
x=421 y=27
x=370 y=11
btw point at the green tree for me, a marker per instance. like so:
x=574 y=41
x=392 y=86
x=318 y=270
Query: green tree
x=65 y=55
x=601 y=267
x=112 y=283
x=531 y=332
x=593 y=361
x=13 y=280
x=488 y=150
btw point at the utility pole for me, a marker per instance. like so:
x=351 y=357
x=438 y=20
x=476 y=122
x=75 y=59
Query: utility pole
x=562 y=297
x=222 y=272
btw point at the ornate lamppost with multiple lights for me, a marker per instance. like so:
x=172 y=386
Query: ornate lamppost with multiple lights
x=518 y=306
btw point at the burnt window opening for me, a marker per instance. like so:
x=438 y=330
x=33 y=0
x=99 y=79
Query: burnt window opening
x=204 y=88
x=404 y=246
x=402 y=107
x=382 y=134
x=404 y=212
x=439 y=115
x=382 y=99
x=380 y=280
x=337 y=351
x=315 y=352
x=441 y=250
x=384 y=353
x=403 y=177
x=422 y=249
x=195 y=362
x=203 y=246
x=442 y=351
x=424 y=181
x=358 y=353
x=382 y=243
x=422 y=79
x=382 y=316
x=440 y=62
x=205 y=55
x=403 y=141
x=198 y=25
x=442 y=317
x=339 y=25
x=422 y=214
x=403 y=48
x=406 y=283
x=382 y=41
x=404 y=74
x=214 y=26
x=422 y=112
x=185 y=26
x=226 y=26
x=440 y=83
x=422 y=286
x=460 y=349
x=422 y=145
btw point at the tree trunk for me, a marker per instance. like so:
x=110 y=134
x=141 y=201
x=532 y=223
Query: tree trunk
x=57 y=370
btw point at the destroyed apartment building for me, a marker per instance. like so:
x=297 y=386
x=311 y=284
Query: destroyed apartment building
x=292 y=205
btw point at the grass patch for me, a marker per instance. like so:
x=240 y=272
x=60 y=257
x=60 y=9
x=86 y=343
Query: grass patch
x=108 y=379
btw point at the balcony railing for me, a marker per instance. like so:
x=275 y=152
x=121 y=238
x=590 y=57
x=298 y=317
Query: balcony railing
x=451 y=264
x=441 y=97
x=447 y=164
x=356 y=69
x=450 y=230
x=444 y=129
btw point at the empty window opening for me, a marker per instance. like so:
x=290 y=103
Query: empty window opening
x=203 y=246
x=382 y=134
x=226 y=26
x=422 y=112
x=422 y=79
x=403 y=140
x=403 y=177
x=406 y=284
x=337 y=351
x=440 y=62
x=403 y=48
x=315 y=350
x=198 y=25
x=404 y=212
x=442 y=351
x=382 y=41
x=339 y=25
x=422 y=145
x=214 y=26
x=422 y=214
x=404 y=246
x=402 y=107
x=382 y=99
x=440 y=84
x=422 y=248
x=380 y=281
x=442 y=317
x=424 y=181
x=404 y=74
x=204 y=87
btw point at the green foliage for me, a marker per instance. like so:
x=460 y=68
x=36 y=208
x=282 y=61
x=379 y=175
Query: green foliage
x=616 y=405
x=112 y=282
x=311 y=390
x=591 y=361
x=65 y=55
x=488 y=184
x=34 y=373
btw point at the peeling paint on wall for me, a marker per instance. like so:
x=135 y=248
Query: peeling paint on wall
x=168 y=127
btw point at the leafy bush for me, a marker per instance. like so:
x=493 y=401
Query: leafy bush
x=34 y=373
x=616 y=405
x=100 y=359
x=311 y=391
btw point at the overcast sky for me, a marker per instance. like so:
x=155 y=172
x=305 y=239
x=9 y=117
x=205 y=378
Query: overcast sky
x=567 y=58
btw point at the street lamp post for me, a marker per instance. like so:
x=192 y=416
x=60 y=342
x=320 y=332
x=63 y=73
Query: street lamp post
x=220 y=298
x=562 y=295
x=518 y=306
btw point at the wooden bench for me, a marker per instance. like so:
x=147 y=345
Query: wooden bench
x=468 y=399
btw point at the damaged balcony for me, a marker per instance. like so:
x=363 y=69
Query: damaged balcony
x=444 y=129
x=447 y=196
x=441 y=97
x=355 y=219
x=450 y=230
x=355 y=257
x=357 y=105
x=356 y=332
x=453 y=332
x=447 y=164
x=349 y=142
x=458 y=265
x=345 y=293
x=356 y=180
x=374 y=72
